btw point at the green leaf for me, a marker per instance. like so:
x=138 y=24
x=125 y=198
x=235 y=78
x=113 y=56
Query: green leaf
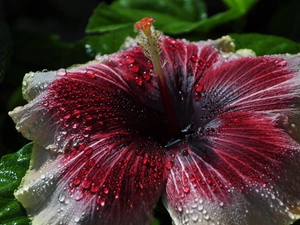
x=156 y=222
x=5 y=48
x=236 y=9
x=12 y=169
x=265 y=44
x=90 y=46
x=172 y=17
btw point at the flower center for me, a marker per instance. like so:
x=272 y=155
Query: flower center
x=150 y=41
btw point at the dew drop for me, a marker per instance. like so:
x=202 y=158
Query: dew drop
x=181 y=95
x=186 y=189
x=129 y=60
x=101 y=201
x=206 y=217
x=198 y=88
x=78 y=195
x=146 y=75
x=281 y=62
x=145 y=159
x=90 y=74
x=179 y=207
x=95 y=187
x=139 y=81
x=61 y=198
x=134 y=67
x=195 y=217
x=77 y=181
x=61 y=72
x=200 y=207
x=149 y=64
x=169 y=165
x=88 y=151
x=185 y=152
x=67 y=116
x=105 y=190
x=194 y=58
x=172 y=41
x=76 y=219
x=86 y=183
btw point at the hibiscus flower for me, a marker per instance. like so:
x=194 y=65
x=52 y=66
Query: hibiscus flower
x=210 y=131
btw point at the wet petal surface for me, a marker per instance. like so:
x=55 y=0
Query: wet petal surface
x=104 y=154
x=241 y=165
x=113 y=179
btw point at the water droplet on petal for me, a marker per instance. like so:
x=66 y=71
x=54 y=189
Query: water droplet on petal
x=76 y=219
x=88 y=151
x=200 y=207
x=78 y=195
x=194 y=58
x=129 y=60
x=95 y=187
x=90 y=74
x=185 y=152
x=147 y=75
x=281 y=62
x=186 y=189
x=86 y=183
x=67 y=116
x=77 y=181
x=101 y=201
x=105 y=190
x=61 y=198
x=134 y=67
x=139 y=81
x=198 y=88
x=195 y=217
x=169 y=165
x=61 y=72
x=206 y=217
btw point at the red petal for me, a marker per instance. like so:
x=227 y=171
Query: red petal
x=242 y=166
x=113 y=179
x=266 y=84
x=246 y=173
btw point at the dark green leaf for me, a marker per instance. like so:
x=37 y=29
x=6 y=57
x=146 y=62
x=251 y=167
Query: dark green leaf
x=236 y=9
x=90 y=46
x=12 y=169
x=265 y=44
x=5 y=48
x=172 y=17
